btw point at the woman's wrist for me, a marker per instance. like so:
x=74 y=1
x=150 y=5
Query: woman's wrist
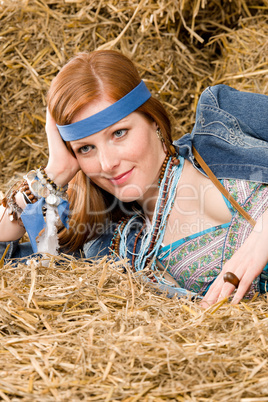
x=60 y=177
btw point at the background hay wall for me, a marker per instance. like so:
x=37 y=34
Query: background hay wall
x=180 y=47
x=71 y=331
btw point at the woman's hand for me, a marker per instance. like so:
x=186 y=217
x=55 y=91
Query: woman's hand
x=62 y=165
x=247 y=263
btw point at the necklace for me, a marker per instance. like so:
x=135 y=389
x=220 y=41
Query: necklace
x=163 y=168
x=151 y=240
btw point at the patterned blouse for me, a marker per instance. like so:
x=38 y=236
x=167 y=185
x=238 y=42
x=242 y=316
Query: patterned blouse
x=195 y=261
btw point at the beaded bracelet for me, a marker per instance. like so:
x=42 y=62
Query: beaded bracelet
x=43 y=187
x=43 y=177
x=28 y=196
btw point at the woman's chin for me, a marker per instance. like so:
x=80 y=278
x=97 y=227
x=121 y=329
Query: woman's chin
x=127 y=198
x=129 y=194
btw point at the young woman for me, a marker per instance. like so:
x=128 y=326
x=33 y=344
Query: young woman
x=132 y=193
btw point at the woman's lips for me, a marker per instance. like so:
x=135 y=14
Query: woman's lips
x=121 y=178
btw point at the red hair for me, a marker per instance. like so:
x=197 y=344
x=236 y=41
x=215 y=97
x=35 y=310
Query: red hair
x=84 y=79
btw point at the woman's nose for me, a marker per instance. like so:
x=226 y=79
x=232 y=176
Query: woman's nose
x=109 y=159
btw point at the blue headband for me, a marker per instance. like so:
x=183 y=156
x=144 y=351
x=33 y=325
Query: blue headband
x=105 y=118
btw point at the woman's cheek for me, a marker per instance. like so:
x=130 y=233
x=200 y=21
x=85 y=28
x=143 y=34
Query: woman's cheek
x=85 y=165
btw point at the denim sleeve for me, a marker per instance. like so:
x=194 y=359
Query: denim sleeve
x=15 y=250
x=249 y=108
x=98 y=247
x=24 y=250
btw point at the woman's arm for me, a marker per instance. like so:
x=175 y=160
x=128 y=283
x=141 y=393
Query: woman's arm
x=61 y=168
x=247 y=263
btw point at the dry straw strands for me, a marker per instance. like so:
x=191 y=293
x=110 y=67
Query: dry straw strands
x=75 y=331
x=80 y=331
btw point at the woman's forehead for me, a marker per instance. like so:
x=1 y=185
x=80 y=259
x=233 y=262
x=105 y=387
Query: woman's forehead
x=91 y=108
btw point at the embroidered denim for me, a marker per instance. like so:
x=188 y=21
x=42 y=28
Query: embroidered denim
x=230 y=133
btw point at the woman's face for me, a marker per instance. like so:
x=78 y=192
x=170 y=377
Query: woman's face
x=124 y=159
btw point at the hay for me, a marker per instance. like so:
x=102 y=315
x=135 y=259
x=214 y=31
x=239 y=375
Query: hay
x=240 y=67
x=79 y=331
x=70 y=330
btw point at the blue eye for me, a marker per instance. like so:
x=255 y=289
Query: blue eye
x=120 y=133
x=85 y=149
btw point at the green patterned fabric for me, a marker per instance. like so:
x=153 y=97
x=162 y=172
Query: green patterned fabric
x=197 y=260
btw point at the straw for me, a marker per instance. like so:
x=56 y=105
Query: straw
x=73 y=330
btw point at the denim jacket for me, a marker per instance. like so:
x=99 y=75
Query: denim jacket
x=230 y=133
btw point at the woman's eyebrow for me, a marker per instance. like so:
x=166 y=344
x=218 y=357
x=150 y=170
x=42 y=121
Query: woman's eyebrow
x=123 y=121
x=80 y=143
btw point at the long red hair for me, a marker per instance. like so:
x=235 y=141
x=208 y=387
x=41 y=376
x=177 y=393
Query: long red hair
x=85 y=79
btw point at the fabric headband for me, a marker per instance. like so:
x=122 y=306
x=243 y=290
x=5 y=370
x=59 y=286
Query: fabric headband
x=105 y=118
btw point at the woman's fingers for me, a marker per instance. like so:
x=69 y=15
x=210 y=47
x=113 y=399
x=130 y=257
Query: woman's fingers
x=243 y=287
x=53 y=135
x=219 y=290
x=213 y=293
x=62 y=165
x=246 y=263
